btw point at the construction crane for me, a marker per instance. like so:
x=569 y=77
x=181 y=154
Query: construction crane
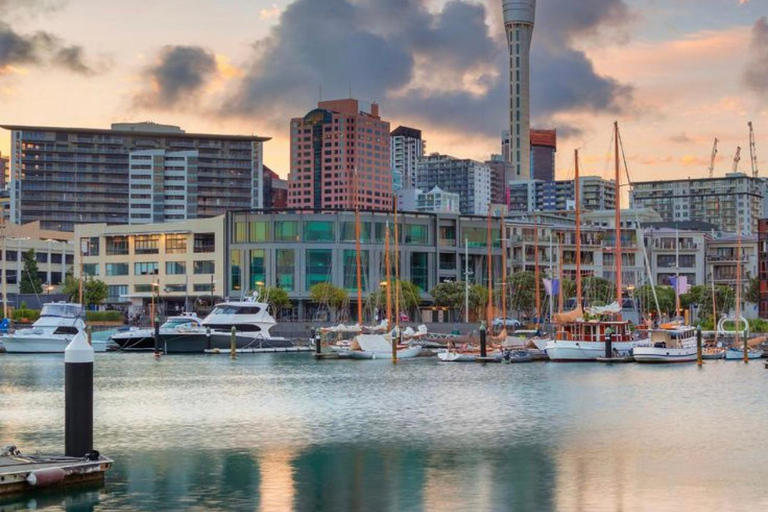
x=712 y=160
x=753 y=150
x=737 y=159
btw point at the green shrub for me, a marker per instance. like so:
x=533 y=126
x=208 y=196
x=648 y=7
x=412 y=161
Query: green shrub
x=30 y=315
x=103 y=316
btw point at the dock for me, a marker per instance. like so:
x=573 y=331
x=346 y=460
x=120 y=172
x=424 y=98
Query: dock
x=270 y=350
x=24 y=473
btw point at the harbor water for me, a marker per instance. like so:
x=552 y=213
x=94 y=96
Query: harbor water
x=284 y=432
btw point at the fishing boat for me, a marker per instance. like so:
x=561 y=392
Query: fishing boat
x=672 y=343
x=143 y=339
x=58 y=324
x=251 y=319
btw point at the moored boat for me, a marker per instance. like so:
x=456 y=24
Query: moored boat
x=669 y=344
x=143 y=339
x=581 y=341
x=58 y=324
x=737 y=354
x=379 y=346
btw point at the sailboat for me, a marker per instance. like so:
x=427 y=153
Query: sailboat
x=578 y=339
x=735 y=352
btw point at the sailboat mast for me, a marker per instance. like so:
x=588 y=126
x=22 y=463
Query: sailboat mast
x=397 y=270
x=466 y=280
x=358 y=262
x=677 y=272
x=489 y=241
x=560 y=261
x=388 y=264
x=738 y=292
x=617 y=254
x=714 y=303
x=577 y=194
x=503 y=270
x=536 y=265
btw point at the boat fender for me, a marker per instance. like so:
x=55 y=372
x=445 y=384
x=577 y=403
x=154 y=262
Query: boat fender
x=46 y=477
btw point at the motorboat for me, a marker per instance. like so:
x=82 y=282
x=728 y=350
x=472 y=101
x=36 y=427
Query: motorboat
x=250 y=318
x=671 y=343
x=143 y=339
x=737 y=354
x=586 y=341
x=58 y=324
x=379 y=346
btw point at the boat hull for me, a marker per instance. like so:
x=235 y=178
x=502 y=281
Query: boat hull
x=198 y=343
x=465 y=357
x=734 y=354
x=584 y=351
x=659 y=355
x=135 y=343
x=404 y=353
x=44 y=345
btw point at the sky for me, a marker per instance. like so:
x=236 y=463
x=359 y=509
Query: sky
x=674 y=73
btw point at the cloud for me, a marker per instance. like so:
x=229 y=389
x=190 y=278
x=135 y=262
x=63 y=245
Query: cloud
x=755 y=76
x=180 y=73
x=270 y=13
x=681 y=138
x=39 y=48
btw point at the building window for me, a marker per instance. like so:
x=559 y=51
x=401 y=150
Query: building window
x=11 y=255
x=146 y=244
x=145 y=269
x=241 y=232
x=175 y=244
x=285 y=268
x=286 y=231
x=259 y=231
x=319 y=231
x=203 y=287
x=10 y=276
x=117 y=269
x=416 y=234
x=350 y=269
x=143 y=288
x=176 y=288
x=236 y=270
x=116 y=292
x=204 y=267
x=205 y=242
x=258 y=268
x=175 y=268
x=90 y=246
x=420 y=270
x=41 y=257
x=319 y=266
x=91 y=269
x=117 y=245
x=348 y=233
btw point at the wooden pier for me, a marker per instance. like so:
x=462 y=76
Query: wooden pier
x=24 y=473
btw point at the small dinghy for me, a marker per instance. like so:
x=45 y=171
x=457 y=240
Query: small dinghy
x=519 y=356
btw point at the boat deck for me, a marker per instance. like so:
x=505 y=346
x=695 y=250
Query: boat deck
x=23 y=473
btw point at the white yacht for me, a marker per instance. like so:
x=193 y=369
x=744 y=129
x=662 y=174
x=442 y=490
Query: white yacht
x=250 y=318
x=143 y=338
x=672 y=343
x=58 y=324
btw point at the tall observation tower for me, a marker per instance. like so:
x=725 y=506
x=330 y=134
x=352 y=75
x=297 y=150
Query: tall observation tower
x=519 y=16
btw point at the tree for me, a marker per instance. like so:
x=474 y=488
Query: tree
x=478 y=299
x=664 y=294
x=522 y=292
x=753 y=292
x=277 y=298
x=449 y=294
x=30 y=281
x=410 y=295
x=94 y=291
x=597 y=290
x=329 y=295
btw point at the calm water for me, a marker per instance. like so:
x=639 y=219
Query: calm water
x=283 y=432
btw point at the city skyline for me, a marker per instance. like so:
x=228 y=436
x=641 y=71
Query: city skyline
x=592 y=63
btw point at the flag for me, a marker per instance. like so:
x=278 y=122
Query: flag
x=680 y=285
x=552 y=286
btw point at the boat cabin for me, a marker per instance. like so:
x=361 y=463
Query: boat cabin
x=672 y=338
x=595 y=331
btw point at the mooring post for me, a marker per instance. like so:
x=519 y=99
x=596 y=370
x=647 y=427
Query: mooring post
x=78 y=397
x=233 y=343
x=699 y=349
x=483 y=348
x=89 y=334
x=608 y=343
x=157 y=337
x=317 y=342
x=208 y=337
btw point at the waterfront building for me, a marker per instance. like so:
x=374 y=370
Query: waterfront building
x=295 y=250
x=407 y=199
x=543 y=156
x=762 y=261
x=407 y=147
x=722 y=260
x=438 y=201
x=674 y=251
x=66 y=176
x=519 y=17
x=174 y=264
x=501 y=175
x=731 y=201
x=329 y=146
x=468 y=178
x=538 y=195
x=275 y=190
x=54 y=254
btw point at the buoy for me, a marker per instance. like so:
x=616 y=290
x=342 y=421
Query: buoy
x=46 y=477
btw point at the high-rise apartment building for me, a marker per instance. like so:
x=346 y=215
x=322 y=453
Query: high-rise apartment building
x=543 y=154
x=558 y=196
x=329 y=146
x=67 y=176
x=519 y=17
x=501 y=173
x=733 y=203
x=468 y=178
x=4 y=170
x=407 y=147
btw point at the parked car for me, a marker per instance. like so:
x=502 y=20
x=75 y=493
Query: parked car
x=506 y=322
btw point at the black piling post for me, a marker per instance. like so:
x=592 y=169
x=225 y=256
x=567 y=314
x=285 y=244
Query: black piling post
x=699 y=350
x=317 y=342
x=609 y=344
x=208 y=337
x=78 y=397
x=483 y=348
x=157 y=337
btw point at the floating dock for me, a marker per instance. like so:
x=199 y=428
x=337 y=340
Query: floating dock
x=24 y=473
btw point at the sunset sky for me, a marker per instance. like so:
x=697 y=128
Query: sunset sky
x=675 y=73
